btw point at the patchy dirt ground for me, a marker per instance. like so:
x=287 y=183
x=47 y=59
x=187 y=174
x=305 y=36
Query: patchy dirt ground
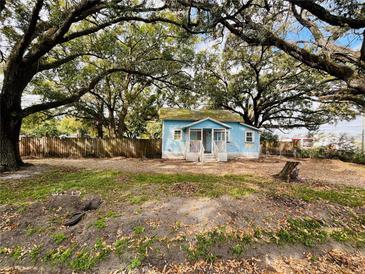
x=25 y=172
x=329 y=171
x=171 y=217
x=166 y=232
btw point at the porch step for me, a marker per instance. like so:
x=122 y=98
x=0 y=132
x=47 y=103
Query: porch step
x=210 y=158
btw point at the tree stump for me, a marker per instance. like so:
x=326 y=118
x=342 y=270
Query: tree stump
x=289 y=172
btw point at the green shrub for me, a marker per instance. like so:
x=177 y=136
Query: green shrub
x=358 y=158
x=353 y=156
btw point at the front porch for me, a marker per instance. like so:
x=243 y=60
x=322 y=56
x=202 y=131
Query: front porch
x=206 y=144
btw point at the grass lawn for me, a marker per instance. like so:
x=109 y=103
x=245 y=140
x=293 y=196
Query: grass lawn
x=171 y=221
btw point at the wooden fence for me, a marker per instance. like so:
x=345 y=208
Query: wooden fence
x=89 y=147
x=278 y=148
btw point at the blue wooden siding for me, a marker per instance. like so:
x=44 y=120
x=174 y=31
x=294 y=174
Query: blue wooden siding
x=169 y=145
x=237 y=142
x=236 y=145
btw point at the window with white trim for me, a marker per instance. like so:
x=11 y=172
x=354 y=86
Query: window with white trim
x=249 y=137
x=195 y=134
x=228 y=136
x=177 y=135
x=219 y=135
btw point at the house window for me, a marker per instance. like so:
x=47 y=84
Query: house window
x=218 y=135
x=195 y=134
x=249 y=137
x=228 y=136
x=177 y=135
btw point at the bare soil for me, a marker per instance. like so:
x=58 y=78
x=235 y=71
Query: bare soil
x=184 y=216
x=321 y=170
x=194 y=216
x=24 y=172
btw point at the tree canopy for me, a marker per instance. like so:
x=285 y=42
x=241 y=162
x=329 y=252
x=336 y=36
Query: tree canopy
x=40 y=37
x=154 y=61
x=116 y=61
x=324 y=35
x=267 y=87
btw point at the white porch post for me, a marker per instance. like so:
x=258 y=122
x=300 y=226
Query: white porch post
x=225 y=140
x=201 y=137
x=211 y=141
x=187 y=143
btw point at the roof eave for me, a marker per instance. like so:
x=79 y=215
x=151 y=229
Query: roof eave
x=208 y=118
x=251 y=127
x=195 y=120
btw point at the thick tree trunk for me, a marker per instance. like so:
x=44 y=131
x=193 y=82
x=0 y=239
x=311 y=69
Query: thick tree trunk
x=16 y=78
x=122 y=127
x=100 y=120
x=9 y=138
x=99 y=129
x=113 y=127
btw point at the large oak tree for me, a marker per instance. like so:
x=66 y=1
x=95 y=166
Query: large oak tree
x=35 y=36
x=315 y=32
x=158 y=58
x=268 y=88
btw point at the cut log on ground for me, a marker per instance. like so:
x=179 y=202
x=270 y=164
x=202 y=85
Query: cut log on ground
x=289 y=172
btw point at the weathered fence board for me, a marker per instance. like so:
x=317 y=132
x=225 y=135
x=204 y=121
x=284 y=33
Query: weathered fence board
x=278 y=148
x=89 y=147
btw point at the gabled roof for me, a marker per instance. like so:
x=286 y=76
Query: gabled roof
x=208 y=118
x=196 y=115
x=251 y=127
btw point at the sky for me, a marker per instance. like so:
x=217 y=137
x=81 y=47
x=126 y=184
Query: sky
x=352 y=128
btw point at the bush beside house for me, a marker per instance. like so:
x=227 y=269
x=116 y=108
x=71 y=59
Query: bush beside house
x=342 y=147
x=346 y=155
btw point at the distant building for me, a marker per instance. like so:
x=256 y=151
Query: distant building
x=303 y=142
x=298 y=142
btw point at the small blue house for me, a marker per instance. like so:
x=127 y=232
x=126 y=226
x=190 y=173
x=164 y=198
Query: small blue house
x=207 y=135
